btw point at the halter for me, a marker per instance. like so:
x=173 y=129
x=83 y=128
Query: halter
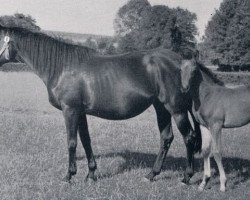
x=5 y=47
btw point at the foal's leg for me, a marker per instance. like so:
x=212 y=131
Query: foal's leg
x=86 y=142
x=71 y=116
x=207 y=173
x=166 y=137
x=189 y=135
x=216 y=133
x=206 y=151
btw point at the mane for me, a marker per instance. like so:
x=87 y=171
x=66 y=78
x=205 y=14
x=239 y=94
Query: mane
x=48 y=54
x=210 y=74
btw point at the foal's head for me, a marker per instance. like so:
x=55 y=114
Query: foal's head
x=188 y=71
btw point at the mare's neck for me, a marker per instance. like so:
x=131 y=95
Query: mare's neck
x=29 y=56
x=48 y=57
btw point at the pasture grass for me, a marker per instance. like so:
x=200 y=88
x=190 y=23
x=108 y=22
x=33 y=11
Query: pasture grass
x=235 y=78
x=33 y=154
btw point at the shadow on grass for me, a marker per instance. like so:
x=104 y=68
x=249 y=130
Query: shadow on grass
x=136 y=160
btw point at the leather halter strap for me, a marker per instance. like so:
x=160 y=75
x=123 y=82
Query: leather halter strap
x=5 y=47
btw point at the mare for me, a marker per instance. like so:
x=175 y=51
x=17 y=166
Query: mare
x=214 y=106
x=79 y=81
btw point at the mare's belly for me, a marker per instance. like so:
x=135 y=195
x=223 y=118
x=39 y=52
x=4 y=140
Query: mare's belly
x=117 y=92
x=119 y=108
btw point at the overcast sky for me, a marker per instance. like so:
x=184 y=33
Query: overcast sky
x=93 y=16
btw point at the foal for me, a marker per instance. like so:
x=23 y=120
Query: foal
x=214 y=107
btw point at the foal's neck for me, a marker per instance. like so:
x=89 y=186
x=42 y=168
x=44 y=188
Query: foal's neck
x=202 y=87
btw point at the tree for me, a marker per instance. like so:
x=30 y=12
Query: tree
x=91 y=43
x=147 y=27
x=126 y=43
x=154 y=29
x=129 y=15
x=106 y=46
x=19 y=20
x=183 y=32
x=227 y=35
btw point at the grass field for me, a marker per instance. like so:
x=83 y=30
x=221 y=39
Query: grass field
x=34 y=156
x=235 y=78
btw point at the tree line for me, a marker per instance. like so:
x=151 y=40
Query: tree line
x=227 y=36
x=141 y=26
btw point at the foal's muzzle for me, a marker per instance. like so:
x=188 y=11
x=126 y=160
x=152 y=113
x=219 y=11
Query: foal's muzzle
x=185 y=89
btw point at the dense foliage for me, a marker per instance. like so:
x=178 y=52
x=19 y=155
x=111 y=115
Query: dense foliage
x=139 y=26
x=105 y=46
x=19 y=20
x=227 y=36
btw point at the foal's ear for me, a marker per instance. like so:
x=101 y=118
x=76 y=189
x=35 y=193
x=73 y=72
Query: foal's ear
x=196 y=55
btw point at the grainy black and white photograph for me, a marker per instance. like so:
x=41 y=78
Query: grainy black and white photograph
x=124 y=99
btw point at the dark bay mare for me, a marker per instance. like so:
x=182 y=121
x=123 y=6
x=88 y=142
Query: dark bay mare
x=80 y=82
x=214 y=107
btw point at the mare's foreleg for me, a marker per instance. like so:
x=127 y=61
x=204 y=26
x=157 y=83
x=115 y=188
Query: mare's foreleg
x=71 y=116
x=86 y=142
x=189 y=137
x=197 y=135
x=166 y=138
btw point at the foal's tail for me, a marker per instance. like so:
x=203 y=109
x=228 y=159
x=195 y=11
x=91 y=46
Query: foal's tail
x=198 y=140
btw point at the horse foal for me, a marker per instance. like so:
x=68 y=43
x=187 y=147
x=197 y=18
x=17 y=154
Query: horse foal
x=214 y=107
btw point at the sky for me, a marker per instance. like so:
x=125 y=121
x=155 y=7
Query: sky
x=94 y=16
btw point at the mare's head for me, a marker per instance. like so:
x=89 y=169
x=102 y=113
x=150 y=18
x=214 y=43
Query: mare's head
x=7 y=48
x=189 y=68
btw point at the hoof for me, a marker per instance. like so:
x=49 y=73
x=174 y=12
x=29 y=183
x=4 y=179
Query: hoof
x=223 y=186
x=67 y=178
x=185 y=181
x=90 y=179
x=201 y=188
x=223 y=189
x=150 y=177
x=145 y=180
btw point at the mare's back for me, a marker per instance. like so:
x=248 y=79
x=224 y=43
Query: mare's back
x=134 y=65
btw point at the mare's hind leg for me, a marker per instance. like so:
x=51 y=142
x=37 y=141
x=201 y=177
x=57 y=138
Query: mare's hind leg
x=166 y=137
x=189 y=137
x=71 y=116
x=86 y=142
